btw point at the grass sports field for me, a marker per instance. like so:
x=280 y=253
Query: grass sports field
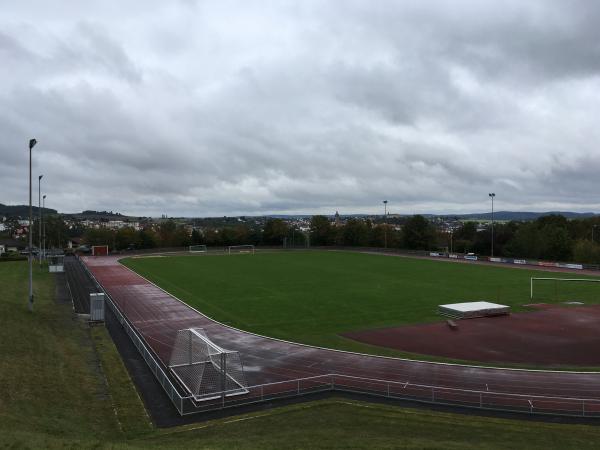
x=312 y=297
x=63 y=385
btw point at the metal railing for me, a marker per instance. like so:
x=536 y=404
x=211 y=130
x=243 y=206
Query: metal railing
x=335 y=382
x=403 y=391
x=154 y=366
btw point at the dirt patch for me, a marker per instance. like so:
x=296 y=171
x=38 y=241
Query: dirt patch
x=552 y=335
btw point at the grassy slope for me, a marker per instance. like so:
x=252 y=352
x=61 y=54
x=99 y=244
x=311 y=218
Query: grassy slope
x=53 y=393
x=49 y=377
x=311 y=297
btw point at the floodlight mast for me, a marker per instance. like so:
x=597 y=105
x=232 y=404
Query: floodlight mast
x=43 y=228
x=32 y=143
x=385 y=223
x=40 y=214
x=492 y=195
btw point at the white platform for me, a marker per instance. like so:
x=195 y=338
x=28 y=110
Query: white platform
x=469 y=310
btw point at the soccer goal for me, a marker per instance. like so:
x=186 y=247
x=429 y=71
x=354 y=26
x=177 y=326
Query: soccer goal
x=204 y=369
x=99 y=250
x=198 y=249
x=574 y=289
x=240 y=249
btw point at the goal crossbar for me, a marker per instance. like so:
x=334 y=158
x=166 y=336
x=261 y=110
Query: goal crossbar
x=532 y=279
x=248 y=248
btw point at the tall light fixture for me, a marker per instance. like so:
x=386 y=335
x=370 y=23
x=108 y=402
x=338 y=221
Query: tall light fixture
x=43 y=227
x=40 y=221
x=32 y=143
x=385 y=223
x=492 y=195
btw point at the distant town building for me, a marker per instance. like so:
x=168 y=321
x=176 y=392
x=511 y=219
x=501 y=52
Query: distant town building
x=337 y=221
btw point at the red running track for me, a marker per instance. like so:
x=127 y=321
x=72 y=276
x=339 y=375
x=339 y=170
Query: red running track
x=157 y=316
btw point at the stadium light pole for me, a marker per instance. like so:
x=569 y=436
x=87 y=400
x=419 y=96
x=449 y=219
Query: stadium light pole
x=32 y=143
x=43 y=227
x=40 y=215
x=492 y=195
x=385 y=223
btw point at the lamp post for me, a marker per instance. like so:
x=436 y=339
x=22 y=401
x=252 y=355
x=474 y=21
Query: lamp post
x=40 y=221
x=32 y=143
x=385 y=223
x=492 y=195
x=43 y=227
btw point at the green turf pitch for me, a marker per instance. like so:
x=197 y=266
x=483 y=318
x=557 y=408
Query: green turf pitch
x=312 y=297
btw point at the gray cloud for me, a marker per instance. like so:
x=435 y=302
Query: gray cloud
x=212 y=108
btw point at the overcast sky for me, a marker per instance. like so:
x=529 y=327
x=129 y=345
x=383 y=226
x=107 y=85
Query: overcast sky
x=200 y=108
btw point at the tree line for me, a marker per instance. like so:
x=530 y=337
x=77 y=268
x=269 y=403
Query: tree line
x=550 y=237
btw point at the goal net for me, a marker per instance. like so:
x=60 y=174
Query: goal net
x=577 y=290
x=240 y=249
x=198 y=249
x=99 y=250
x=204 y=369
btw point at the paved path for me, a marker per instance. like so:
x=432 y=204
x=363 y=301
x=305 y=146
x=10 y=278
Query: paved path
x=157 y=316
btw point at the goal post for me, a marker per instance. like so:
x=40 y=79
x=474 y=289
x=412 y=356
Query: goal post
x=240 y=249
x=556 y=281
x=205 y=370
x=197 y=249
x=99 y=250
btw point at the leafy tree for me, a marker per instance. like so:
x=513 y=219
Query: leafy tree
x=526 y=242
x=355 y=233
x=467 y=232
x=166 y=233
x=227 y=236
x=321 y=231
x=556 y=243
x=275 y=231
x=197 y=237
x=99 y=236
x=55 y=229
x=181 y=237
x=418 y=234
x=587 y=252
x=147 y=238
x=555 y=220
x=126 y=237
x=212 y=237
x=296 y=238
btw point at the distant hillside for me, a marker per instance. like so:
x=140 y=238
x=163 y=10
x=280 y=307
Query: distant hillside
x=90 y=214
x=523 y=215
x=22 y=210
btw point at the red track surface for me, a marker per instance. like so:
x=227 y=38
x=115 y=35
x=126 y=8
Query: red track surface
x=555 y=335
x=157 y=316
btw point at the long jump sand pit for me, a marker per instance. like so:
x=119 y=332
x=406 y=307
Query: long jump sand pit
x=551 y=335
